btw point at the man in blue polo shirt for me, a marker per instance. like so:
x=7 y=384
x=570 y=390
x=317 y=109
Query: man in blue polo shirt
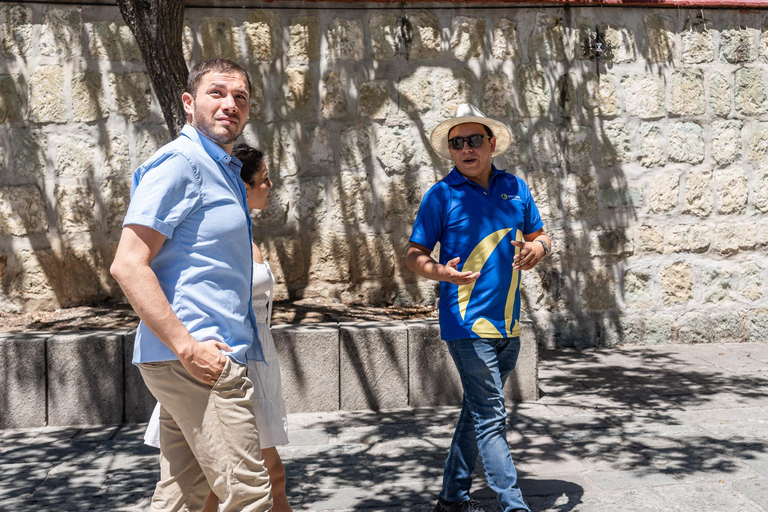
x=489 y=230
x=184 y=262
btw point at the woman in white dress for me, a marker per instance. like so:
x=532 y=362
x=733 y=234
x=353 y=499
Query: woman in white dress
x=269 y=406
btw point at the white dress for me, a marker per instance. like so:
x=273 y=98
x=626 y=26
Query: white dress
x=271 y=420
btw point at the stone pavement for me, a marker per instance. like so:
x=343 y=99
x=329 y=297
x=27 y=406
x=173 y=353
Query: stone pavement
x=665 y=428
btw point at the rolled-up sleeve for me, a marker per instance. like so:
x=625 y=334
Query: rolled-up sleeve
x=163 y=193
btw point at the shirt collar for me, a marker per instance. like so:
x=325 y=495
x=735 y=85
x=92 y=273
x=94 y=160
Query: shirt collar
x=214 y=150
x=455 y=178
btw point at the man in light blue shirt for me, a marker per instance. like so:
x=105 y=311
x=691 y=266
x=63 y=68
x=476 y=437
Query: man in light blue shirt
x=184 y=262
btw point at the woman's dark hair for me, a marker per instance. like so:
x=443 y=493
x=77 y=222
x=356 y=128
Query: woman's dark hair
x=252 y=159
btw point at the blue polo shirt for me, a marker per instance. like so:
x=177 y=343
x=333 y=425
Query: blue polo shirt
x=477 y=225
x=190 y=191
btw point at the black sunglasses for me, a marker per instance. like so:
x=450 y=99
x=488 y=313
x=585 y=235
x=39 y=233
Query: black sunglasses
x=474 y=141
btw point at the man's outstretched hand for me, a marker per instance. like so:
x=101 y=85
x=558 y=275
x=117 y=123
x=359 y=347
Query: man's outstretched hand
x=453 y=275
x=530 y=254
x=204 y=361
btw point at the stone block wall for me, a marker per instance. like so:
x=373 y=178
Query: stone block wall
x=650 y=170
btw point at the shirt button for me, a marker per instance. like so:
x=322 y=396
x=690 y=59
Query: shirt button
x=485 y=193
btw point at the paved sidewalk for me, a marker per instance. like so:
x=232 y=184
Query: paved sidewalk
x=668 y=428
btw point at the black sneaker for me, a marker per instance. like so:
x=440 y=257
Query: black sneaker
x=457 y=506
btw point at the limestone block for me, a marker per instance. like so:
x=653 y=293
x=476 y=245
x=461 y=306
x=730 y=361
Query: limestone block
x=374 y=100
x=751 y=280
x=309 y=366
x=321 y=156
x=467 y=37
x=88 y=102
x=535 y=91
x=416 y=91
x=334 y=102
x=638 y=289
x=187 y=41
x=76 y=208
x=578 y=333
x=132 y=94
x=622 y=42
x=547 y=40
x=698 y=43
x=676 y=283
x=75 y=156
x=610 y=242
x=757 y=142
x=720 y=94
x=330 y=256
x=276 y=213
x=686 y=95
x=652 y=143
x=546 y=145
x=517 y=154
x=717 y=284
x=22 y=211
x=497 y=94
x=60 y=34
x=621 y=197
x=262 y=35
x=374 y=365
x=643 y=95
x=113 y=41
x=599 y=96
x=433 y=378
x=426 y=43
x=455 y=88
x=523 y=383
x=151 y=138
x=738 y=45
x=16 y=25
x=285 y=256
x=546 y=189
x=598 y=289
x=750 y=93
x=580 y=197
x=661 y=38
x=658 y=329
x=46 y=95
x=313 y=205
x=731 y=237
x=85 y=378
x=385 y=36
x=651 y=238
x=345 y=39
x=10 y=98
x=28 y=152
x=355 y=148
x=756 y=322
x=626 y=330
x=22 y=380
x=664 y=192
x=762 y=238
x=686 y=143
x=506 y=45
x=727 y=328
x=699 y=193
x=117 y=162
x=760 y=190
x=352 y=199
x=692 y=327
x=566 y=94
x=693 y=238
x=395 y=150
x=578 y=145
x=733 y=190
x=280 y=146
x=399 y=201
x=139 y=402
x=763 y=45
x=116 y=195
x=219 y=38
x=613 y=143
x=726 y=141
x=304 y=41
x=374 y=256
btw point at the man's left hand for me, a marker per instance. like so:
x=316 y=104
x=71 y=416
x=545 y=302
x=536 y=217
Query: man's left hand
x=530 y=254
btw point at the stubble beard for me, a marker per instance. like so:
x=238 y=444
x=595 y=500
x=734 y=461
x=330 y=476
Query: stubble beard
x=207 y=130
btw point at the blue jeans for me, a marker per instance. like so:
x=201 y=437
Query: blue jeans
x=484 y=365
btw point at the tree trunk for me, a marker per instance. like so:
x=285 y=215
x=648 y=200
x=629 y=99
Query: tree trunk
x=158 y=26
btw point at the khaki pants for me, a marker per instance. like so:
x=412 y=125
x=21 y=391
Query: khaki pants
x=208 y=440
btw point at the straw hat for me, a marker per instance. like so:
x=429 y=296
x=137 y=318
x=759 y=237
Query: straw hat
x=468 y=113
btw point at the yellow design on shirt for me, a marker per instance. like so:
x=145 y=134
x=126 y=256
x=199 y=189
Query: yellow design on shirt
x=509 y=310
x=485 y=329
x=475 y=262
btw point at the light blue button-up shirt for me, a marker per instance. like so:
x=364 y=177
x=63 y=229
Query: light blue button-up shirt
x=190 y=191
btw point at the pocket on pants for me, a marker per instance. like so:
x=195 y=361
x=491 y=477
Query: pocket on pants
x=224 y=373
x=155 y=366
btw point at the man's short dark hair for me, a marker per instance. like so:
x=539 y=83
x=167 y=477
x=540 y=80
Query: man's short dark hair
x=252 y=159
x=487 y=130
x=215 y=66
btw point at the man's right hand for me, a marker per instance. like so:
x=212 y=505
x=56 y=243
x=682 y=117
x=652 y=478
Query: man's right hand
x=453 y=275
x=204 y=361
